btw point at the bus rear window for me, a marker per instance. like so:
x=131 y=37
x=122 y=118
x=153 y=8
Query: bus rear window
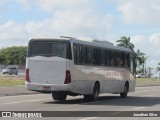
x=48 y=49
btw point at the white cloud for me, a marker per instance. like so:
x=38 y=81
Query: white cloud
x=138 y=39
x=50 y=5
x=140 y=11
x=10 y=30
x=150 y=46
x=2 y=2
x=155 y=39
x=70 y=17
x=82 y=23
x=70 y=23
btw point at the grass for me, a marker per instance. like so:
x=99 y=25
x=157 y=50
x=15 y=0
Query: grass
x=11 y=82
x=147 y=81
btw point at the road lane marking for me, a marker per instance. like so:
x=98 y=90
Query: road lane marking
x=3 y=97
x=117 y=112
x=152 y=87
x=90 y=102
x=147 y=90
x=24 y=101
x=150 y=95
x=89 y=118
x=143 y=91
x=137 y=108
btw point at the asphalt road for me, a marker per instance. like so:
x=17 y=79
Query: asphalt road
x=144 y=99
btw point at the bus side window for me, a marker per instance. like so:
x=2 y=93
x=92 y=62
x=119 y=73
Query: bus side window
x=117 y=59
x=125 y=60
x=132 y=66
x=78 y=54
x=101 y=57
x=84 y=55
x=122 y=59
x=128 y=60
x=90 y=56
x=68 y=51
x=75 y=54
x=95 y=56
x=107 y=58
x=112 y=58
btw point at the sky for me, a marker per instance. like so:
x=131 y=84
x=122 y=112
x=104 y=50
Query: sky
x=109 y=20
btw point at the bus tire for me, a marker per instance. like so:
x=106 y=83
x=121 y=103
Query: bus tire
x=59 y=95
x=125 y=92
x=94 y=96
x=87 y=97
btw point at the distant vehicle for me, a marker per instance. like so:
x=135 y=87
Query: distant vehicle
x=141 y=75
x=10 y=70
x=70 y=66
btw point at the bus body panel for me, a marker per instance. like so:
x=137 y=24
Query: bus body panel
x=47 y=87
x=111 y=80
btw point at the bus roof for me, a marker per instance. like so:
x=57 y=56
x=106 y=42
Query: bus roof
x=88 y=42
x=101 y=44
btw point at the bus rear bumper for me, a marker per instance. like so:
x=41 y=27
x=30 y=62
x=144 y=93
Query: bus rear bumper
x=47 y=87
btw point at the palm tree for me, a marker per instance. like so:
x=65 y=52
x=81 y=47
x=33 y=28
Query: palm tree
x=139 y=56
x=149 y=71
x=158 y=69
x=141 y=60
x=125 y=42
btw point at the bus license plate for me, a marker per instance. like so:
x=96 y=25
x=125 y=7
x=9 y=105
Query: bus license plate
x=46 y=88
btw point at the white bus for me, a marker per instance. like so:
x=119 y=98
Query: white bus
x=70 y=66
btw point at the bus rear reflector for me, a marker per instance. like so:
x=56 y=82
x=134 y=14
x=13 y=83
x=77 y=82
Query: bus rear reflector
x=68 y=77
x=27 y=75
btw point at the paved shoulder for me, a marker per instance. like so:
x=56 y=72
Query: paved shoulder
x=14 y=90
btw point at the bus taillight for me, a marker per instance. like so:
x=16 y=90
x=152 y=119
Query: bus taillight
x=68 y=77
x=27 y=75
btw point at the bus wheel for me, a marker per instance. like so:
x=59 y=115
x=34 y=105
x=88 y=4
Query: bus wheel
x=125 y=92
x=87 y=97
x=59 y=95
x=94 y=96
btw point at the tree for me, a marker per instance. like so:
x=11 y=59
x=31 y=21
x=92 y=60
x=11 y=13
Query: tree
x=149 y=71
x=141 y=60
x=13 y=55
x=125 y=42
x=158 y=69
x=139 y=56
